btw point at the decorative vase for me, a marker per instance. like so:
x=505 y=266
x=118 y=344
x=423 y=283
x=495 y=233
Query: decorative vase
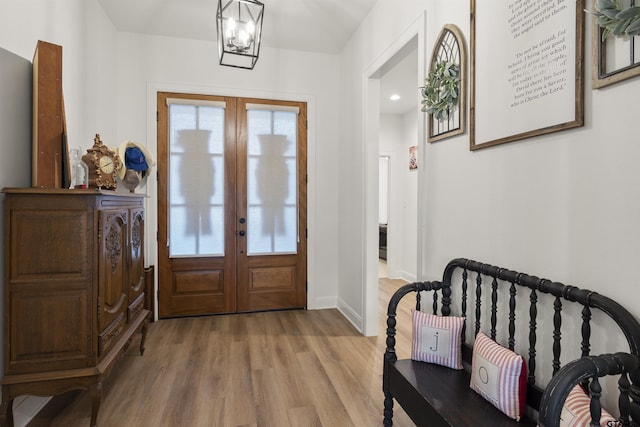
x=79 y=170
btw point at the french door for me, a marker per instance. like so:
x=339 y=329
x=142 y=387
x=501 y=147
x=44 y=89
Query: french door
x=231 y=204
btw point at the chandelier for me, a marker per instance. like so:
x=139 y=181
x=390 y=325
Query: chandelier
x=239 y=24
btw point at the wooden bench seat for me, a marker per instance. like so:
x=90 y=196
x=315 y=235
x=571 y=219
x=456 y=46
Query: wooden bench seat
x=415 y=382
x=435 y=396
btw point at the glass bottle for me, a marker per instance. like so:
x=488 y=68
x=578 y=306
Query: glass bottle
x=79 y=170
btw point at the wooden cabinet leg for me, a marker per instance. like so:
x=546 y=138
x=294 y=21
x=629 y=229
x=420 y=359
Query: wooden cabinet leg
x=6 y=410
x=96 y=397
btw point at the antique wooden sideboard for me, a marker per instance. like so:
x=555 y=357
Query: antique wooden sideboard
x=73 y=289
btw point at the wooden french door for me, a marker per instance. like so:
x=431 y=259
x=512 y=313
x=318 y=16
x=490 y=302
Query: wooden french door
x=231 y=204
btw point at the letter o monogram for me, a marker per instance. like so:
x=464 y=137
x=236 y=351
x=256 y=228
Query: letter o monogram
x=483 y=375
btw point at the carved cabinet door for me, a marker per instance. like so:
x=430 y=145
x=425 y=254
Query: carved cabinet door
x=112 y=289
x=136 y=262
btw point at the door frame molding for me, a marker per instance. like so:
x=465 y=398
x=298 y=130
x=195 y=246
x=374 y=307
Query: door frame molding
x=151 y=203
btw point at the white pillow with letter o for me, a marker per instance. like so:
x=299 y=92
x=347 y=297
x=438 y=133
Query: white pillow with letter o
x=499 y=375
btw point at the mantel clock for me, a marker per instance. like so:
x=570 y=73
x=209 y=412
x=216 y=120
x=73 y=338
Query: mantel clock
x=103 y=164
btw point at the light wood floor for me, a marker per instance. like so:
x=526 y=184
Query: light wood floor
x=275 y=369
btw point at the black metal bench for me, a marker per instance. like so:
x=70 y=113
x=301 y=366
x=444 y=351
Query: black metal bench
x=434 y=395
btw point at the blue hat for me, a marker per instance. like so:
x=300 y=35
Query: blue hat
x=134 y=159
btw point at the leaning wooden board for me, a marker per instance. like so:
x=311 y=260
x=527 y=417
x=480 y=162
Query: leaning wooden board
x=48 y=117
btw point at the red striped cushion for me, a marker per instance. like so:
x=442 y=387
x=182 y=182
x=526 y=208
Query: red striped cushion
x=437 y=339
x=499 y=375
x=575 y=412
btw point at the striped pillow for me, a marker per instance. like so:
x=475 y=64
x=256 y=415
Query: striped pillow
x=499 y=375
x=437 y=339
x=575 y=412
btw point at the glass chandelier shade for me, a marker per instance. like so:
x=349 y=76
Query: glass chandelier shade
x=239 y=25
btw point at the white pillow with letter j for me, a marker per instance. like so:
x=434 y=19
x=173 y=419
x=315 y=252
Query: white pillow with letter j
x=437 y=339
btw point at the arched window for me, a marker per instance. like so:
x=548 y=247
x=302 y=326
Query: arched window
x=614 y=59
x=450 y=47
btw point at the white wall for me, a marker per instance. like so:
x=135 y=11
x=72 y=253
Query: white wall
x=383 y=200
x=389 y=26
x=89 y=63
x=397 y=134
x=149 y=64
x=563 y=206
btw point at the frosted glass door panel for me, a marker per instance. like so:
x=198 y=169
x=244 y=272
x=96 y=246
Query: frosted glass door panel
x=196 y=181
x=272 y=165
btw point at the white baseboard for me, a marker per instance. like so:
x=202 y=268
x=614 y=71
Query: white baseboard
x=324 y=302
x=25 y=408
x=409 y=277
x=351 y=315
x=404 y=275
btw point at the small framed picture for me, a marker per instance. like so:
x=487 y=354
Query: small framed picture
x=413 y=157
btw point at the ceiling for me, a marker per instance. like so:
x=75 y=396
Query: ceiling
x=322 y=26
x=400 y=79
x=310 y=25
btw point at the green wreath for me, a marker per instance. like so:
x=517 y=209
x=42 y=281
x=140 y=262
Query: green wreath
x=441 y=89
x=616 y=20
